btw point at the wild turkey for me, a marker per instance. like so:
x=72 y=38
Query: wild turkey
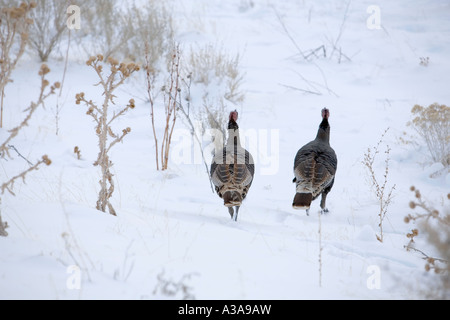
x=232 y=170
x=314 y=168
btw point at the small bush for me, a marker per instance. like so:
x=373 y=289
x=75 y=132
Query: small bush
x=436 y=227
x=123 y=31
x=433 y=126
x=383 y=193
x=49 y=26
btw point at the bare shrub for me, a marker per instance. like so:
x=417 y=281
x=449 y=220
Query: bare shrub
x=436 y=226
x=49 y=26
x=107 y=138
x=14 y=34
x=433 y=126
x=105 y=29
x=44 y=93
x=379 y=186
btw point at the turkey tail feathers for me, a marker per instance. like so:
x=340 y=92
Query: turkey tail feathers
x=302 y=201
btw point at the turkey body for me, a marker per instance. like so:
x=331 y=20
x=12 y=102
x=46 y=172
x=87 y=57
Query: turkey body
x=314 y=168
x=232 y=171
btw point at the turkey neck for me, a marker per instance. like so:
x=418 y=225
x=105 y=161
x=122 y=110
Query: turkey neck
x=323 y=134
x=233 y=134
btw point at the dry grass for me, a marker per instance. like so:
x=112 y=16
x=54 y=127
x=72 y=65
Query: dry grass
x=107 y=138
x=220 y=79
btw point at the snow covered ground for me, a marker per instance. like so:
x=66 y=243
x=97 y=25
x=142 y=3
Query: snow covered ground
x=172 y=233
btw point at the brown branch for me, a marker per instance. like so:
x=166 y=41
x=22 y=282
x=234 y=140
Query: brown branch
x=9 y=185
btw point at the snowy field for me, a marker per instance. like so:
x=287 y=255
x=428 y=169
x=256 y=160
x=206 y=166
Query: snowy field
x=171 y=232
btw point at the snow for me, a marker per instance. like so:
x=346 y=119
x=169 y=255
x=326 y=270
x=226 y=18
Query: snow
x=171 y=226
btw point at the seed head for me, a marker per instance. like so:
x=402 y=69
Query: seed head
x=46 y=160
x=44 y=70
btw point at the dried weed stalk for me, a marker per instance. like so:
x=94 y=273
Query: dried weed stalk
x=171 y=95
x=380 y=188
x=107 y=138
x=14 y=34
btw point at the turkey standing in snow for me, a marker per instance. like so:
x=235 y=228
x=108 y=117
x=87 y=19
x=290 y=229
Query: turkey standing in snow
x=314 y=168
x=232 y=170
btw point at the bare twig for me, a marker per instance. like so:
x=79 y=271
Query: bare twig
x=341 y=30
x=193 y=131
x=20 y=155
x=301 y=90
x=288 y=34
x=320 y=249
x=150 y=77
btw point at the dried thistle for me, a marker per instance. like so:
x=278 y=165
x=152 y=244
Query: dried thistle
x=104 y=120
x=436 y=228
